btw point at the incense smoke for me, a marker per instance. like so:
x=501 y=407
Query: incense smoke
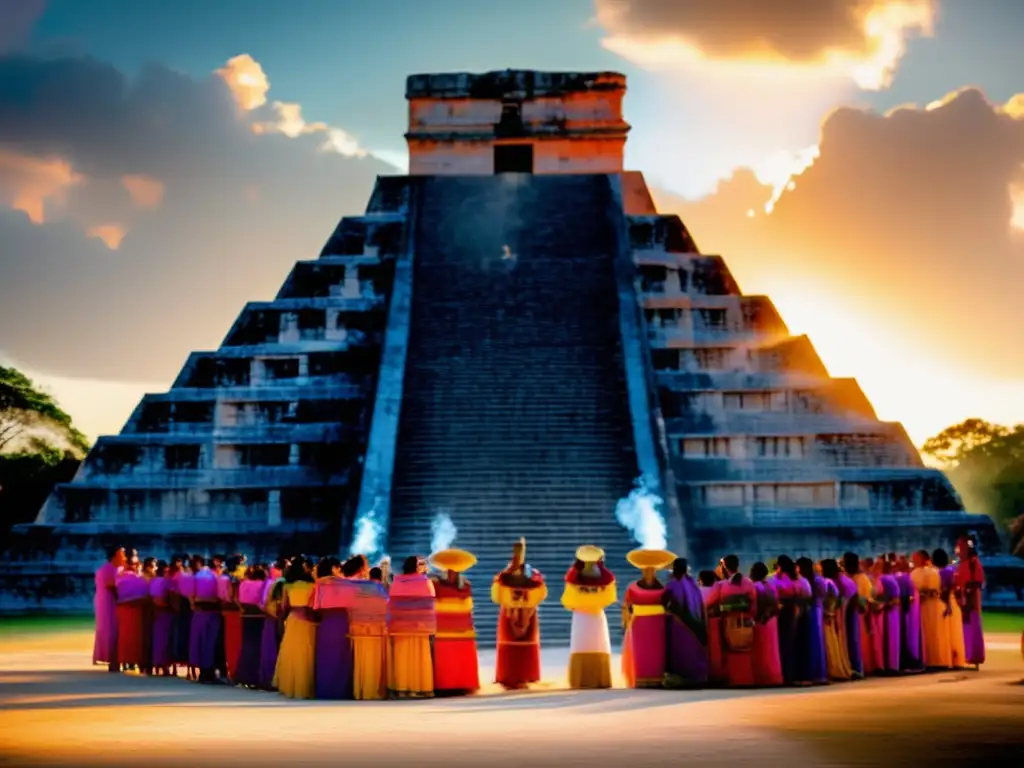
x=640 y=514
x=442 y=532
x=367 y=537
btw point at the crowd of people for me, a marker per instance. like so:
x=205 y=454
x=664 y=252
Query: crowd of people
x=326 y=629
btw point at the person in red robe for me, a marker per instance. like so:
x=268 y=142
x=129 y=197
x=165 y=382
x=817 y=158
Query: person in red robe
x=456 y=666
x=518 y=590
x=227 y=591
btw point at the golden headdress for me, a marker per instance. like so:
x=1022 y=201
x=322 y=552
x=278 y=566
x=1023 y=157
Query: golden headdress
x=458 y=560
x=588 y=553
x=650 y=558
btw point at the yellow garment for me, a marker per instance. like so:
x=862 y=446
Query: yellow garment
x=837 y=656
x=590 y=670
x=295 y=675
x=955 y=626
x=410 y=667
x=935 y=642
x=368 y=667
x=582 y=597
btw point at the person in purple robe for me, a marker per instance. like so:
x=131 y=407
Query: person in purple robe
x=811 y=629
x=792 y=607
x=687 y=628
x=104 y=649
x=910 y=611
x=892 y=620
x=853 y=611
x=205 y=636
x=162 y=655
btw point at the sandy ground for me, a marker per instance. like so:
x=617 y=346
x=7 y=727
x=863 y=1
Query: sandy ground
x=58 y=710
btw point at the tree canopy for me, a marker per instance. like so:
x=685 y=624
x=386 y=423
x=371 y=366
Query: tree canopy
x=985 y=463
x=30 y=417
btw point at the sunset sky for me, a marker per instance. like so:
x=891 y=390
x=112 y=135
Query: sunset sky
x=859 y=161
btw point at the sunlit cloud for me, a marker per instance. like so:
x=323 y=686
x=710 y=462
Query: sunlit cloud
x=28 y=183
x=246 y=80
x=863 y=40
x=110 y=234
x=898 y=249
x=144 y=191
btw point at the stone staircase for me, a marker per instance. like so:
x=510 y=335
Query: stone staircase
x=514 y=417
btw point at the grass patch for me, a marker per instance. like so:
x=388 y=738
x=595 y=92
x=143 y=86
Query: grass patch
x=1000 y=621
x=41 y=625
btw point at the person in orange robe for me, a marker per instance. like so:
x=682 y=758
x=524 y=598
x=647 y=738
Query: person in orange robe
x=456 y=666
x=518 y=590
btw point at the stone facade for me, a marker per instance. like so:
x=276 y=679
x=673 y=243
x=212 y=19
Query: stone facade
x=257 y=447
x=510 y=348
x=537 y=122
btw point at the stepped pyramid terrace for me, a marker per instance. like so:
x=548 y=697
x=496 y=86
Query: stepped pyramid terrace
x=511 y=336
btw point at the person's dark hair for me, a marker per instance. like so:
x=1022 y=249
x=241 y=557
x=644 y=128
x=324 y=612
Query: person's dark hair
x=257 y=573
x=376 y=574
x=786 y=565
x=707 y=578
x=148 y=562
x=297 y=571
x=281 y=563
x=830 y=569
x=326 y=566
x=112 y=550
x=940 y=558
x=758 y=572
x=578 y=565
x=923 y=553
x=410 y=564
x=680 y=566
x=198 y=561
x=353 y=565
x=161 y=567
x=221 y=558
x=806 y=567
x=232 y=563
x=731 y=563
x=851 y=563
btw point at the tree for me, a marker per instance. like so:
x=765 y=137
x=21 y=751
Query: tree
x=985 y=463
x=32 y=419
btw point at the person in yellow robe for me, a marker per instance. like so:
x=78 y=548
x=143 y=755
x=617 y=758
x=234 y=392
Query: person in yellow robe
x=294 y=675
x=953 y=615
x=935 y=647
x=589 y=590
x=412 y=624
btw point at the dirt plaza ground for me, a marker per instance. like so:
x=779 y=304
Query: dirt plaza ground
x=59 y=710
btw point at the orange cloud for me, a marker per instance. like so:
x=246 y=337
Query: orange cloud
x=144 y=191
x=895 y=250
x=110 y=234
x=864 y=39
x=27 y=183
x=245 y=78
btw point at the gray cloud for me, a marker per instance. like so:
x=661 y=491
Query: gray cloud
x=237 y=210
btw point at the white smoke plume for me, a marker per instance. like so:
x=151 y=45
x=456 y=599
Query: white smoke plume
x=367 y=537
x=442 y=531
x=640 y=514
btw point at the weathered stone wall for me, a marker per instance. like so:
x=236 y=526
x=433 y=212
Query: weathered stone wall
x=574 y=123
x=257 y=447
x=771 y=454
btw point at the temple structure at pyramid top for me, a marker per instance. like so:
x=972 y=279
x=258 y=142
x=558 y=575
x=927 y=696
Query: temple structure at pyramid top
x=512 y=339
x=516 y=121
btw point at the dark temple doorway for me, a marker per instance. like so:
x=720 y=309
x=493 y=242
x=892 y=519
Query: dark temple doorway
x=513 y=158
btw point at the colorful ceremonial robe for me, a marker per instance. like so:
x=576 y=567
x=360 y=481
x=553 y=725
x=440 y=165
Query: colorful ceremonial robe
x=587 y=595
x=518 y=592
x=456 y=666
x=412 y=622
x=368 y=630
x=734 y=603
